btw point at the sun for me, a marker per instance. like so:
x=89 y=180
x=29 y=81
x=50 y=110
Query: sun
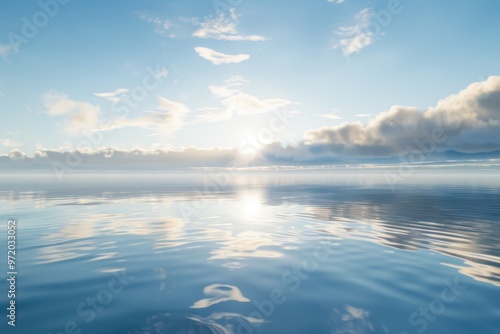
x=249 y=152
x=250 y=148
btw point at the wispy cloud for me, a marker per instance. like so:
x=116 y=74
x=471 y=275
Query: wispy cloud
x=235 y=102
x=223 y=27
x=79 y=115
x=168 y=117
x=336 y=1
x=162 y=26
x=10 y=143
x=467 y=122
x=355 y=38
x=113 y=96
x=159 y=73
x=218 y=58
x=329 y=116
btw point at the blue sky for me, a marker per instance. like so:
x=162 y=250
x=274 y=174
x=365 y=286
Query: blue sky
x=209 y=74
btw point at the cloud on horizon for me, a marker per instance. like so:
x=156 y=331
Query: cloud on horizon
x=466 y=122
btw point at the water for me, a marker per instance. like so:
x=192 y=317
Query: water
x=283 y=253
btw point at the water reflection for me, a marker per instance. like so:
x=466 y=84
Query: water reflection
x=351 y=320
x=220 y=293
x=454 y=222
x=245 y=244
x=216 y=323
x=263 y=222
x=247 y=237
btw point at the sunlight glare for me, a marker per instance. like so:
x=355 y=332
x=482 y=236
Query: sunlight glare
x=250 y=205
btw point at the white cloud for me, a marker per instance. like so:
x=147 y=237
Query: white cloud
x=115 y=96
x=218 y=58
x=467 y=122
x=159 y=73
x=245 y=104
x=15 y=154
x=80 y=116
x=235 y=101
x=167 y=117
x=356 y=37
x=336 y=1
x=223 y=27
x=10 y=143
x=329 y=116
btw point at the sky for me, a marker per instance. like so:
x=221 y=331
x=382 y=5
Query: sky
x=273 y=82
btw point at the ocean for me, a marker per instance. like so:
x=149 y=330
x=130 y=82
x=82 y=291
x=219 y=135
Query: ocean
x=256 y=252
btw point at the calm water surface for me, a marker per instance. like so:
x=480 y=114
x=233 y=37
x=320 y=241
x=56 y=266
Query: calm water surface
x=289 y=254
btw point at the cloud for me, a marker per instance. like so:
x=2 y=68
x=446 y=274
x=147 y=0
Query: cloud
x=168 y=117
x=15 y=155
x=117 y=159
x=10 y=143
x=236 y=102
x=79 y=115
x=6 y=50
x=463 y=125
x=218 y=58
x=223 y=27
x=467 y=122
x=159 y=73
x=115 y=96
x=336 y=1
x=329 y=116
x=358 y=36
x=162 y=26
